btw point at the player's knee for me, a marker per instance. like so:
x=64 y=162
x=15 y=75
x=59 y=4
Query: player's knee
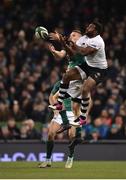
x=76 y=109
x=71 y=133
x=85 y=90
x=76 y=112
x=71 y=136
x=51 y=135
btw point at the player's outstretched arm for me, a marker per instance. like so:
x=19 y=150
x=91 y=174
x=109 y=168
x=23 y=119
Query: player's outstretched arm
x=69 y=50
x=53 y=98
x=61 y=39
x=55 y=36
x=83 y=50
x=57 y=54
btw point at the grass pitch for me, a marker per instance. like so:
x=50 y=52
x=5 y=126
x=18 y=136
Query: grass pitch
x=81 y=169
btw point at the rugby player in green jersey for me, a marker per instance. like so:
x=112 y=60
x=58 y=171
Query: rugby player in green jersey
x=54 y=126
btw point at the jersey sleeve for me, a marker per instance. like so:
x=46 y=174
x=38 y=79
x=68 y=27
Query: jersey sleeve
x=79 y=42
x=95 y=44
x=55 y=88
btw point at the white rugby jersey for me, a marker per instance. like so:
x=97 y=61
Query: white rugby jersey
x=97 y=59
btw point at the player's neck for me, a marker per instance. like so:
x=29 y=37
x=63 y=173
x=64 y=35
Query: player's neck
x=92 y=35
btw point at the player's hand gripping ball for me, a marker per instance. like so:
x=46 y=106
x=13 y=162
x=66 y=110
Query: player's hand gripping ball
x=41 y=32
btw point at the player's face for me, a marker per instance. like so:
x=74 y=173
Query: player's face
x=90 y=29
x=74 y=36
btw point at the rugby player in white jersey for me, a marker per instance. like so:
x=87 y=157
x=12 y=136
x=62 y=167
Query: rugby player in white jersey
x=92 y=46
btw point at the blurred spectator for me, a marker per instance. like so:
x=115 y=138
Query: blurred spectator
x=99 y=100
x=24 y=132
x=86 y=129
x=105 y=117
x=21 y=42
x=102 y=128
x=115 y=132
x=17 y=113
x=32 y=133
x=14 y=131
x=121 y=125
x=122 y=111
x=94 y=135
x=4 y=111
x=5 y=133
x=112 y=70
x=1 y=137
x=3 y=60
x=39 y=112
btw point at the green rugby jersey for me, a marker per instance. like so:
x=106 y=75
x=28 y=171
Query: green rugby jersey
x=76 y=60
x=66 y=102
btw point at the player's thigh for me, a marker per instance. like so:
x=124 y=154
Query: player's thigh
x=88 y=84
x=53 y=128
x=72 y=74
x=72 y=132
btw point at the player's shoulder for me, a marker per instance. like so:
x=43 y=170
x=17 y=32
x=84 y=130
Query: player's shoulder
x=81 y=40
x=96 y=42
x=98 y=39
x=83 y=37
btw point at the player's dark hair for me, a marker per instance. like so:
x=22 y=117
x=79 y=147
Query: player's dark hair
x=77 y=31
x=98 y=26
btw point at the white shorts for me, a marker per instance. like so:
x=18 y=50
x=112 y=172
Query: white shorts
x=82 y=73
x=75 y=89
x=57 y=117
x=75 y=86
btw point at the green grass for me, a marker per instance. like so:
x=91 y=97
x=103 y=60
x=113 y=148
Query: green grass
x=81 y=169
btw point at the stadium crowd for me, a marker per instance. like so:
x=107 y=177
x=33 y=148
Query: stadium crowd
x=28 y=71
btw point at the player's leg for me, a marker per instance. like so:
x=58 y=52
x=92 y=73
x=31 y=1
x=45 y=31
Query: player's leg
x=65 y=125
x=69 y=162
x=75 y=139
x=72 y=136
x=87 y=87
x=73 y=91
x=86 y=102
x=96 y=76
x=65 y=120
x=72 y=74
x=76 y=106
x=53 y=128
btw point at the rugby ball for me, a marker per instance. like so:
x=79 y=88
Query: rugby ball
x=41 y=32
